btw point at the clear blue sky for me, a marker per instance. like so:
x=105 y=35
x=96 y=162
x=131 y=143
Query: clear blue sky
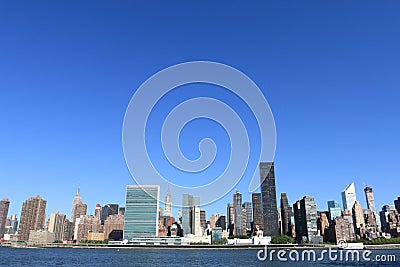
x=329 y=70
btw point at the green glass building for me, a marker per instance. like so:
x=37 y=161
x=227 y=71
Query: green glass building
x=141 y=211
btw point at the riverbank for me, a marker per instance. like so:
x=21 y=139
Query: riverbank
x=129 y=246
x=194 y=247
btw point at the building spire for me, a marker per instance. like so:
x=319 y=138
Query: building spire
x=168 y=191
x=78 y=192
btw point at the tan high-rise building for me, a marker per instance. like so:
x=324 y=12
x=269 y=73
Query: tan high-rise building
x=323 y=223
x=113 y=222
x=358 y=218
x=32 y=216
x=4 y=204
x=56 y=225
x=80 y=209
x=369 y=196
x=97 y=211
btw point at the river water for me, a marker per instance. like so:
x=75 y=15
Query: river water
x=183 y=257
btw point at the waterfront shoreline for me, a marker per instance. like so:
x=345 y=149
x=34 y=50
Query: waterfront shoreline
x=196 y=247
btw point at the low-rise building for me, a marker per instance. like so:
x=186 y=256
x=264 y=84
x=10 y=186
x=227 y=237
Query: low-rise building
x=40 y=236
x=95 y=236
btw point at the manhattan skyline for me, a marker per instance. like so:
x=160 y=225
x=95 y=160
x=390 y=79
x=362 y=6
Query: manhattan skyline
x=67 y=76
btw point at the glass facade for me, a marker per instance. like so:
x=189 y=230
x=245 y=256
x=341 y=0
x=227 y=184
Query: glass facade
x=257 y=210
x=268 y=195
x=286 y=215
x=238 y=223
x=191 y=215
x=141 y=211
x=349 y=197
x=334 y=209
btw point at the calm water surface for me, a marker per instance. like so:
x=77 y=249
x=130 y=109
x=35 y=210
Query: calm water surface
x=159 y=257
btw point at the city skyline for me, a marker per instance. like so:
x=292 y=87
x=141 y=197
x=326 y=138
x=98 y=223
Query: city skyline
x=67 y=80
x=142 y=217
x=77 y=201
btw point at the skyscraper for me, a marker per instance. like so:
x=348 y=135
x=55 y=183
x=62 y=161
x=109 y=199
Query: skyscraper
x=334 y=209
x=191 y=215
x=237 y=204
x=305 y=216
x=168 y=203
x=389 y=221
x=230 y=210
x=141 y=211
x=221 y=222
x=77 y=199
x=32 y=217
x=369 y=196
x=248 y=218
x=78 y=208
x=107 y=210
x=257 y=210
x=323 y=223
x=286 y=215
x=358 y=218
x=213 y=219
x=97 y=211
x=14 y=222
x=349 y=197
x=203 y=220
x=56 y=225
x=68 y=230
x=268 y=193
x=4 y=205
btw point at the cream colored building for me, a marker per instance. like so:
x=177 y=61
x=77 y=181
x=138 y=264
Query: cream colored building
x=41 y=236
x=95 y=236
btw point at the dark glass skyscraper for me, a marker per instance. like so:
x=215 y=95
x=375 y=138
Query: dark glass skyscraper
x=257 y=210
x=305 y=217
x=286 y=215
x=221 y=222
x=268 y=194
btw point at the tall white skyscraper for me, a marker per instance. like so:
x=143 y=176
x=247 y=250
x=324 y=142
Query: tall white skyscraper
x=349 y=197
x=168 y=204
